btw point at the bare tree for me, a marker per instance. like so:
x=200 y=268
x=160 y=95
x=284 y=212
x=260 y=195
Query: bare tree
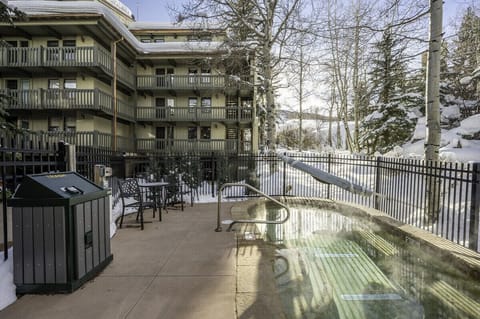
x=265 y=25
x=301 y=65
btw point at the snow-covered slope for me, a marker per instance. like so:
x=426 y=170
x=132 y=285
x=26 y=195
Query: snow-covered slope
x=456 y=143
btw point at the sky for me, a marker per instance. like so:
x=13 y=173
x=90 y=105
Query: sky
x=151 y=10
x=157 y=10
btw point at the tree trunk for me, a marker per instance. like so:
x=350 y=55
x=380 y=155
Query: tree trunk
x=433 y=110
x=300 y=112
x=433 y=82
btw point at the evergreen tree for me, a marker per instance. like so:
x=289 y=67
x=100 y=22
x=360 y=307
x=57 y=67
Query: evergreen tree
x=389 y=121
x=466 y=56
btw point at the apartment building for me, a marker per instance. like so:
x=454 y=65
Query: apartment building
x=87 y=73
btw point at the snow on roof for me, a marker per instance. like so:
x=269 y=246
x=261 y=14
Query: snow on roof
x=120 y=6
x=53 y=7
x=142 y=25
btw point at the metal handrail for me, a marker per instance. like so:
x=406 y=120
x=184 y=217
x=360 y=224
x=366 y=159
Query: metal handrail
x=248 y=221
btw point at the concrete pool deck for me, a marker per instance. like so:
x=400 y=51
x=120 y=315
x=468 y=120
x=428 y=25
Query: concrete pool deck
x=177 y=268
x=182 y=268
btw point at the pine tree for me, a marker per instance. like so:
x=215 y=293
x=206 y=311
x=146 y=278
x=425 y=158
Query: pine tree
x=466 y=56
x=388 y=121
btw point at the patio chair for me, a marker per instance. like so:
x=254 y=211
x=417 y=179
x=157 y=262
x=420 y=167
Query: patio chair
x=175 y=191
x=132 y=197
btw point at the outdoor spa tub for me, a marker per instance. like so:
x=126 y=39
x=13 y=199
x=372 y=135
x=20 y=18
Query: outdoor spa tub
x=335 y=260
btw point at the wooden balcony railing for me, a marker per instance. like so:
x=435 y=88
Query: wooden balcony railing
x=195 y=114
x=187 y=146
x=94 y=139
x=93 y=56
x=67 y=99
x=191 y=82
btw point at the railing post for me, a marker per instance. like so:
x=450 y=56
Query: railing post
x=474 y=207
x=378 y=180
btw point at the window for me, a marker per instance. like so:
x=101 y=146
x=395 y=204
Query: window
x=164 y=76
x=12 y=52
x=206 y=78
x=153 y=39
x=160 y=132
x=171 y=105
x=192 y=104
x=24 y=124
x=206 y=38
x=232 y=133
x=11 y=84
x=54 y=124
x=192 y=133
x=160 y=136
x=206 y=104
x=69 y=50
x=160 y=109
x=53 y=88
x=69 y=85
x=54 y=84
x=70 y=124
x=160 y=102
x=192 y=75
x=52 y=50
x=205 y=132
x=24 y=51
x=193 y=38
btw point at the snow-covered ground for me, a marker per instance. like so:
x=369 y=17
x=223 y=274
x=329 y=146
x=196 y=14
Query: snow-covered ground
x=453 y=147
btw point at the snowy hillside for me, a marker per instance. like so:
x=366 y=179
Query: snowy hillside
x=457 y=144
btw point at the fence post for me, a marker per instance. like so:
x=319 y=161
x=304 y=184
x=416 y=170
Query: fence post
x=284 y=175
x=377 y=182
x=474 y=207
x=329 y=163
x=62 y=156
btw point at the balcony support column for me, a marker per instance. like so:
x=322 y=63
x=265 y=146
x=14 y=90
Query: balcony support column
x=114 y=93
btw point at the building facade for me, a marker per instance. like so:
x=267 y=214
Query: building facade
x=87 y=73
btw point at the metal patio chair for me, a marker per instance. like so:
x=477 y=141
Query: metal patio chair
x=130 y=189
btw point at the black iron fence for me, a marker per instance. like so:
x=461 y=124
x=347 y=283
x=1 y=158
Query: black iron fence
x=400 y=186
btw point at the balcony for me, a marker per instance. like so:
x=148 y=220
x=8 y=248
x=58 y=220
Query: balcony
x=195 y=114
x=67 y=99
x=65 y=57
x=171 y=146
x=193 y=82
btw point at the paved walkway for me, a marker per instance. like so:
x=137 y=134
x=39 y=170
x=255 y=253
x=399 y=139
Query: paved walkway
x=177 y=268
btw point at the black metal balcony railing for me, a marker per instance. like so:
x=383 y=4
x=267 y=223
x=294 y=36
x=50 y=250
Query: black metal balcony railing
x=191 y=82
x=67 y=99
x=170 y=146
x=93 y=56
x=194 y=114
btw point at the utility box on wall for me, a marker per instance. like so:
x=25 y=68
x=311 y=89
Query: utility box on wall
x=61 y=232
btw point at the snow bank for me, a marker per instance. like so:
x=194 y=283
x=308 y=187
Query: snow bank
x=7 y=288
x=471 y=125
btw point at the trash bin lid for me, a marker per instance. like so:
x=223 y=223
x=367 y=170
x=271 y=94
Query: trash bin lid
x=62 y=185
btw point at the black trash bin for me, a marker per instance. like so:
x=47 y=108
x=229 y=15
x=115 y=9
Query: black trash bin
x=61 y=232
